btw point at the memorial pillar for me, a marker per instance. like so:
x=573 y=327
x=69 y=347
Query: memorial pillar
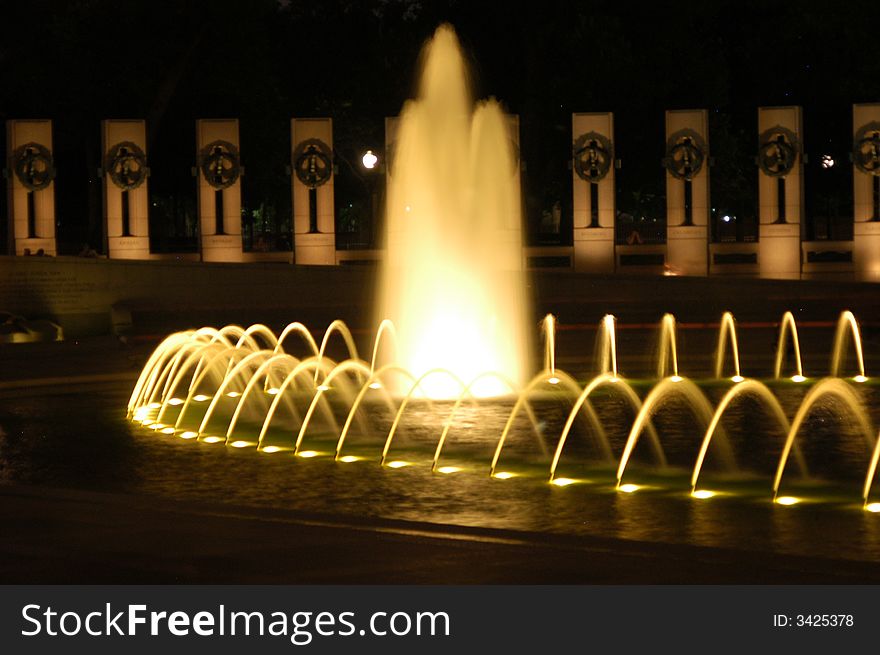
x=780 y=191
x=687 y=191
x=31 y=186
x=126 y=201
x=593 y=201
x=314 y=214
x=219 y=189
x=866 y=191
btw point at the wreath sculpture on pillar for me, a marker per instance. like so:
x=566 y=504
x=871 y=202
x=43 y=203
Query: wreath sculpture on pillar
x=593 y=156
x=685 y=154
x=778 y=150
x=126 y=165
x=220 y=164
x=313 y=162
x=866 y=149
x=33 y=166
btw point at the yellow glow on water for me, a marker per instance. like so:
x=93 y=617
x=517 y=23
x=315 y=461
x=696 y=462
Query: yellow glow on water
x=146 y=421
x=788 y=500
x=156 y=426
x=702 y=494
x=233 y=394
x=348 y=459
x=240 y=444
x=504 y=475
x=874 y=508
x=200 y=398
x=189 y=434
x=308 y=453
x=397 y=464
x=175 y=401
x=271 y=449
x=737 y=378
x=154 y=405
x=628 y=488
x=168 y=430
x=860 y=378
x=212 y=439
x=676 y=378
x=562 y=482
x=376 y=385
x=798 y=378
x=272 y=391
x=446 y=470
x=553 y=380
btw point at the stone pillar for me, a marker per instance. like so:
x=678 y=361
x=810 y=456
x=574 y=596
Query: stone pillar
x=780 y=191
x=219 y=192
x=314 y=214
x=687 y=191
x=126 y=201
x=31 y=186
x=866 y=191
x=594 y=200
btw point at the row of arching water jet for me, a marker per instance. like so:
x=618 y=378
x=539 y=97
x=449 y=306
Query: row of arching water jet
x=230 y=385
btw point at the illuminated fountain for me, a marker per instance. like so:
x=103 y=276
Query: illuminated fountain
x=453 y=342
x=248 y=388
x=453 y=281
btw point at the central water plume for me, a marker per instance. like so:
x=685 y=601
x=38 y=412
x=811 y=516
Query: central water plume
x=453 y=281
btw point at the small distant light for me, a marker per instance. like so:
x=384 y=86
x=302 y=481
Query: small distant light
x=376 y=385
x=737 y=378
x=860 y=378
x=240 y=444
x=797 y=378
x=233 y=394
x=408 y=208
x=348 y=459
x=827 y=161
x=446 y=470
x=271 y=449
x=308 y=453
x=562 y=482
x=628 y=488
x=175 y=401
x=212 y=439
x=156 y=426
x=200 y=398
x=504 y=475
x=676 y=378
x=788 y=500
x=189 y=434
x=553 y=380
x=726 y=218
x=272 y=391
x=168 y=430
x=874 y=508
x=323 y=387
x=397 y=464
x=702 y=494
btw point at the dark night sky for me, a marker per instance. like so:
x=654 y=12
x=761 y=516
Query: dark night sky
x=263 y=62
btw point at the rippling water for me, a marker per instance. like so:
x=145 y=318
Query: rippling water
x=81 y=439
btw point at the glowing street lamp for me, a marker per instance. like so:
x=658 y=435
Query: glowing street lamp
x=369 y=160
